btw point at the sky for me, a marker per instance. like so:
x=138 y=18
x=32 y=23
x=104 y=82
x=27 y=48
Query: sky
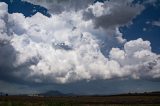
x=81 y=47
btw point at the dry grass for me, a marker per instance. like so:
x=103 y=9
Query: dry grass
x=81 y=101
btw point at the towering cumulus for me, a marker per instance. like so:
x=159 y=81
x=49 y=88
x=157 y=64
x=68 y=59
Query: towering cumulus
x=78 y=42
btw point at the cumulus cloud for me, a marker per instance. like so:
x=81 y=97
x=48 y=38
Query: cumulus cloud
x=67 y=48
x=136 y=58
x=109 y=14
x=113 y=13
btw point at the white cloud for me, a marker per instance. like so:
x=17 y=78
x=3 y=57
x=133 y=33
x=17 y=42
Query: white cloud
x=136 y=54
x=98 y=9
x=156 y=23
x=66 y=48
x=3 y=25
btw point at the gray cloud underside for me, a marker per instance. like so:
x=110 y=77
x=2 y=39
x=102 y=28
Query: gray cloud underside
x=81 y=44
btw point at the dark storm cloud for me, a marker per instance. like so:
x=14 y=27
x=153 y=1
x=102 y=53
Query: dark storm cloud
x=7 y=55
x=7 y=59
x=9 y=72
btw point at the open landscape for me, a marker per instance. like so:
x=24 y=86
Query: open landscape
x=114 y=100
x=79 y=52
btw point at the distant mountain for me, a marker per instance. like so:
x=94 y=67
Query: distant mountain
x=58 y=93
x=55 y=93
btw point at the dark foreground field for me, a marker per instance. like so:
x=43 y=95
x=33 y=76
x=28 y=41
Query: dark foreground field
x=81 y=101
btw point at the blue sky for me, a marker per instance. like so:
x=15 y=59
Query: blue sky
x=134 y=31
x=140 y=25
x=24 y=7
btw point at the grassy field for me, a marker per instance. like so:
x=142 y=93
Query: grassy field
x=81 y=101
